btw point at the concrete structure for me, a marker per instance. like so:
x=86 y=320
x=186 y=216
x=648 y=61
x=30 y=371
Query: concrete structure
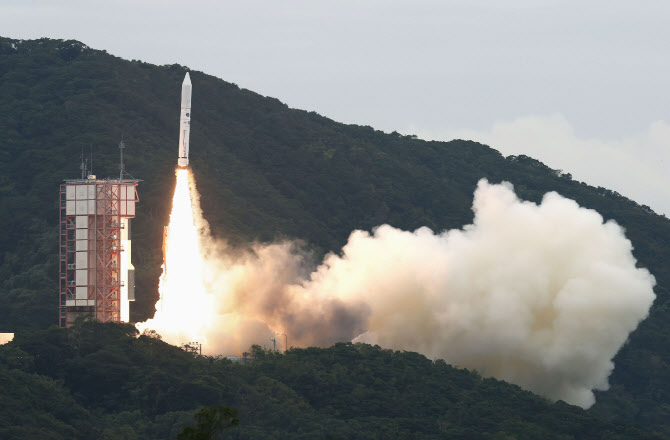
x=97 y=278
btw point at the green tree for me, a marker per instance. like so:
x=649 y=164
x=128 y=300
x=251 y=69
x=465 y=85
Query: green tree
x=212 y=421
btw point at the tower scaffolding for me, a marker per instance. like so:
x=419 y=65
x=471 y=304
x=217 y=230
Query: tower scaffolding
x=96 y=274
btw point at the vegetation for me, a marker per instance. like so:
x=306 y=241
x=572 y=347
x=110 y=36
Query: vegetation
x=264 y=171
x=103 y=381
x=212 y=422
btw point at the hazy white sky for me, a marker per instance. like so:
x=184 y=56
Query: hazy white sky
x=583 y=86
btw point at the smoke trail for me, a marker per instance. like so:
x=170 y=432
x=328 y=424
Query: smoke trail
x=542 y=296
x=265 y=285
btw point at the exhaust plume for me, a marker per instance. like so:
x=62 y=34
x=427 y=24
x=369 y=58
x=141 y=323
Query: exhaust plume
x=542 y=296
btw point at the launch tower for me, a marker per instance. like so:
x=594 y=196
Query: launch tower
x=97 y=278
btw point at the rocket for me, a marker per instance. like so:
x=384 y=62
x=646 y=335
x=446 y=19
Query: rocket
x=184 y=121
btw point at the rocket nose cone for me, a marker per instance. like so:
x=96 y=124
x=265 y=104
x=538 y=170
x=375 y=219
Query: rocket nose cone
x=187 y=79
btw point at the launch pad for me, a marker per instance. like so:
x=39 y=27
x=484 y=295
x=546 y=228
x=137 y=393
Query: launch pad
x=97 y=278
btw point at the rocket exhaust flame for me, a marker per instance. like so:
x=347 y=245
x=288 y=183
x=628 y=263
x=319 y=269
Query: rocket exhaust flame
x=182 y=308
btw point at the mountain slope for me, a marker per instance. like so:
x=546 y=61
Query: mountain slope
x=264 y=171
x=102 y=381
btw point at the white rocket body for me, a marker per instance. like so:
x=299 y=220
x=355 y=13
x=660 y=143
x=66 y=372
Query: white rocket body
x=185 y=121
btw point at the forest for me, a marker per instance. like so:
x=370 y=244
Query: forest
x=265 y=172
x=104 y=381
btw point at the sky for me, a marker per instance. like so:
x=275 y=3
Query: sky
x=583 y=86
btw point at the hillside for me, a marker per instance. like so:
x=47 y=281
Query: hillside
x=99 y=381
x=264 y=172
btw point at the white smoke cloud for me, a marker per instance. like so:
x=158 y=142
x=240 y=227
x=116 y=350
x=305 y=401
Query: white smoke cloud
x=263 y=288
x=542 y=296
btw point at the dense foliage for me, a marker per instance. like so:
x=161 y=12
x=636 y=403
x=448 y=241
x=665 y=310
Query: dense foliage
x=264 y=171
x=101 y=381
x=211 y=423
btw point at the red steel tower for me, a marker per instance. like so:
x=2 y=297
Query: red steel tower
x=97 y=278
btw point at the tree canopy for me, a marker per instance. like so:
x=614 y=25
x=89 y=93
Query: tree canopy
x=105 y=381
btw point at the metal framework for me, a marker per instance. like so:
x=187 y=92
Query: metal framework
x=108 y=244
x=65 y=290
x=92 y=218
